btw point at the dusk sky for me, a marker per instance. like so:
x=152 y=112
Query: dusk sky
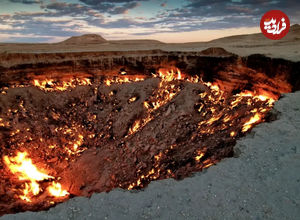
x=168 y=21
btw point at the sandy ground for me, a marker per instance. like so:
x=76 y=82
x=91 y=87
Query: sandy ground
x=261 y=182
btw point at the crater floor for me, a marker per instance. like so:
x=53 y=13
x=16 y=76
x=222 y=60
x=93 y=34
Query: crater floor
x=262 y=182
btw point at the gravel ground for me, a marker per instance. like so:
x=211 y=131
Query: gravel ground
x=261 y=182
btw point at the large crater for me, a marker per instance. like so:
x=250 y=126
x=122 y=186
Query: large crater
x=91 y=122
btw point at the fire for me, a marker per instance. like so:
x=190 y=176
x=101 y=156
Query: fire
x=50 y=85
x=25 y=170
x=56 y=190
x=216 y=112
x=76 y=145
x=132 y=99
x=122 y=79
x=168 y=89
x=165 y=92
x=262 y=96
x=135 y=127
x=199 y=156
x=178 y=74
x=169 y=75
x=23 y=166
x=256 y=118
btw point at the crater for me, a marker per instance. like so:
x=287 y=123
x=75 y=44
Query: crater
x=78 y=123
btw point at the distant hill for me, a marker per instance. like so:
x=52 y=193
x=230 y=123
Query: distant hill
x=138 y=41
x=97 y=39
x=85 y=39
x=293 y=35
x=215 y=51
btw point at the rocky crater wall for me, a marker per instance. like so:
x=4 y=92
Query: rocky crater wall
x=211 y=64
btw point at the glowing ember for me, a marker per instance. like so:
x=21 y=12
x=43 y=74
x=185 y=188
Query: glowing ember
x=199 y=156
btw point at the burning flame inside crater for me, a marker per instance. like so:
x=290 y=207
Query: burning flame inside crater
x=52 y=85
x=23 y=168
x=166 y=92
x=79 y=130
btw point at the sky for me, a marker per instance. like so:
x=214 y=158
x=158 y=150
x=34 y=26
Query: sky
x=172 y=21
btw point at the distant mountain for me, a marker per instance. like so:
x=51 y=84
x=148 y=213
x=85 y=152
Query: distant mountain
x=85 y=39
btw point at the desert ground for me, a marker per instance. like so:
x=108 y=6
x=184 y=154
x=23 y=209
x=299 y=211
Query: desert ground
x=261 y=180
x=243 y=45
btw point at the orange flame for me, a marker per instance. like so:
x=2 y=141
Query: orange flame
x=263 y=96
x=56 y=190
x=178 y=74
x=256 y=118
x=23 y=167
x=51 y=85
x=168 y=75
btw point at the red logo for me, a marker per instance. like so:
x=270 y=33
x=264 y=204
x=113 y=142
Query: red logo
x=275 y=24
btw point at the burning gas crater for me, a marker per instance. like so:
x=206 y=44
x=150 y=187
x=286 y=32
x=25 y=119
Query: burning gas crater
x=75 y=136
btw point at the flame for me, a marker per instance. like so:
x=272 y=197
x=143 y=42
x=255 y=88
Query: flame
x=153 y=174
x=262 y=96
x=165 y=92
x=135 y=127
x=121 y=80
x=178 y=74
x=132 y=99
x=208 y=165
x=199 y=156
x=25 y=170
x=256 y=118
x=78 y=143
x=168 y=89
x=107 y=82
x=50 y=85
x=56 y=190
x=168 y=75
x=23 y=166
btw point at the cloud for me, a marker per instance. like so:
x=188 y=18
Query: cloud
x=63 y=8
x=5 y=27
x=26 y=1
x=114 y=18
x=233 y=14
x=112 y=6
x=97 y=2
